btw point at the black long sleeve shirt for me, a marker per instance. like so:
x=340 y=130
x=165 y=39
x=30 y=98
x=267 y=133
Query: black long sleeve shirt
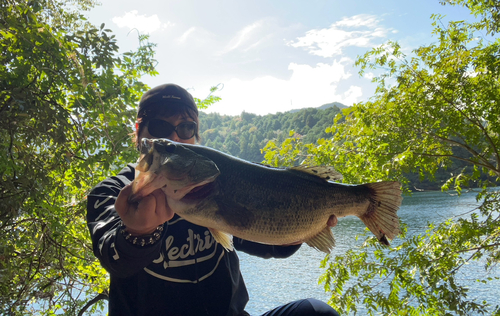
x=187 y=273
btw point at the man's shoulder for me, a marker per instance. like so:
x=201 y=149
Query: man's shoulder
x=128 y=171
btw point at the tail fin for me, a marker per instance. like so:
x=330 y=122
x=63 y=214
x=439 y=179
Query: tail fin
x=381 y=217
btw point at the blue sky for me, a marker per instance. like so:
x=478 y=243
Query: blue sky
x=269 y=56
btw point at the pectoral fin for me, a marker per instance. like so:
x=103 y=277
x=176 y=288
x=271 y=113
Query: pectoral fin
x=323 y=241
x=225 y=239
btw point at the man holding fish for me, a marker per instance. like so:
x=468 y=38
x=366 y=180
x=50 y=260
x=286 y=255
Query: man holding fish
x=160 y=263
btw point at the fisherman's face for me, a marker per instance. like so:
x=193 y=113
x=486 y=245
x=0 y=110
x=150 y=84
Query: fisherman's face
x=174 y=121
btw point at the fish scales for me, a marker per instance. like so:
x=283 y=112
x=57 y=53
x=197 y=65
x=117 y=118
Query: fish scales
x=275 y=207
x=265 y=204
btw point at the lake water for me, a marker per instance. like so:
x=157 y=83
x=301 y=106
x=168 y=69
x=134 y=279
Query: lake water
x=274 y=282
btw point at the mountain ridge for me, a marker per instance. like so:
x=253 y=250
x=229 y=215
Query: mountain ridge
x=322 y=107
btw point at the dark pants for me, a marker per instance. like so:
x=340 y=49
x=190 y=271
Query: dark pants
x=305 y=307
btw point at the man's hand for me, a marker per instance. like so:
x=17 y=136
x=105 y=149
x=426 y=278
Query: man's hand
x=143 y=217
x=332 y=221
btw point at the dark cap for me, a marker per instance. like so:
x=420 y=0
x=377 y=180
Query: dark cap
x=164 y=95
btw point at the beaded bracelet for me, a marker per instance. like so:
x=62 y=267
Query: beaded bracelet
x=142 y=240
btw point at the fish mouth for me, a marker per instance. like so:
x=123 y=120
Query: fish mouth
x=199 y=192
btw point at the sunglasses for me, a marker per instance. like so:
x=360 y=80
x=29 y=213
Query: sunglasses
x=163 y=129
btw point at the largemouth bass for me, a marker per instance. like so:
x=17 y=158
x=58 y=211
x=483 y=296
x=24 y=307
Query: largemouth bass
x=277 y=206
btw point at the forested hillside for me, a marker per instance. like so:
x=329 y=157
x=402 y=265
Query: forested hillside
x=244 y=135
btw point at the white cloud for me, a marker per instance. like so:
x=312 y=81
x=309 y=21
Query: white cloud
x=352 y=95
x=143 y=23
x=196 y=37
x=308 y=86
x=359 y=20
x=243 y=35
x=186 y=34
x=369 y=75
x=359 y=30
x=252 y=36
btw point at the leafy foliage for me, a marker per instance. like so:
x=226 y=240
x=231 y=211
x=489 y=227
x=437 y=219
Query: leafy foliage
x=420 y=275
x=67 y=104
x=435 y=109
x=427 y=108
x=487 y=10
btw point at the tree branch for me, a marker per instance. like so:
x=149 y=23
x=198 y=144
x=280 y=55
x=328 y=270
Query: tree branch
x=100 y=296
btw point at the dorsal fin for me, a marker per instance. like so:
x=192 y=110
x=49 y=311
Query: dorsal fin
x=324 y=172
